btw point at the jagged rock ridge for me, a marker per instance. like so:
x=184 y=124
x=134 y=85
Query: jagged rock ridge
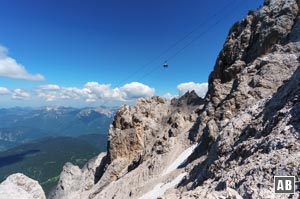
x=138 y=148
x=228 y=145
x=246 y=126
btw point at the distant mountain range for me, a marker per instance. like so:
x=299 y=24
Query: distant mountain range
x=20 y=125
x=39 y=141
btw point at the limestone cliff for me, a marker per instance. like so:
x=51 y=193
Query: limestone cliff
x=228 y=145
x=142 y=141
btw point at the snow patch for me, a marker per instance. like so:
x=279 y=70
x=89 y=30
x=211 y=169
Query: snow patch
x=287 y=127
x=161 y=188
x=181 y=159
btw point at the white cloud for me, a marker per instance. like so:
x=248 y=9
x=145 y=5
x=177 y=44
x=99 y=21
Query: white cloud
x=48 y=92
x=19 y=94
x=10 y=68
x=93 y=91
x=199 y=88
x=90 y=100
x=136 y=90
x=169 y=96
x=73 y=93
x=47 y=96
x=104 y=92
x=50 y=87
x=4 y=91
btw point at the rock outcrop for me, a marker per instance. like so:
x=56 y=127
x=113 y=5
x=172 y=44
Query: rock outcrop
x=228 y=145
x=249 y=120
x=18 y=186
x=139 y=147
x=75 y=182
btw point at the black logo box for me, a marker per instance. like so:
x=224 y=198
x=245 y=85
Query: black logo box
x=284 y=184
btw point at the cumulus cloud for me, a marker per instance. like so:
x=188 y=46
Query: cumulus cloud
x=49 y=97
x=136 y=90
x=4 y=91
x=199 y=88
x=19 y=94
x=10 y=68
x=74 y=93
x=169 y=96
x=131 y=91
x=53 y=87
x=48 y=92
x=94 y=91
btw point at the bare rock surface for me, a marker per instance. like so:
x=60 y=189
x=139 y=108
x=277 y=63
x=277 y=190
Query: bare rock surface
x=18 y=186
x=228 y=145
x=139 y=150
x=244 y=132
x=248 y=127
x=75 y=182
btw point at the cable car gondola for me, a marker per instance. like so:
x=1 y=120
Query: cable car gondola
x=166 y=65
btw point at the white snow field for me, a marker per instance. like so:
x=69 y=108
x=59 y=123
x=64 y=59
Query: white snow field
x=161 y=188
x=181 y=159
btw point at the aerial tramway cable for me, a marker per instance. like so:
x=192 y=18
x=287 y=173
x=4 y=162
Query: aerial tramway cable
x=188 y=44
x=176 y=43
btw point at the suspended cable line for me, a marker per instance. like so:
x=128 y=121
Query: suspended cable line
x=177 y=42
x=202 y=33
x=191 y=42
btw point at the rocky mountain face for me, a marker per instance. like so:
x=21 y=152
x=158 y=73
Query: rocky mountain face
x=18 y=186
x=228 y=145
x=142 y=141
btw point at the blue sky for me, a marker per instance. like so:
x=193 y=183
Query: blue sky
x=94 y=52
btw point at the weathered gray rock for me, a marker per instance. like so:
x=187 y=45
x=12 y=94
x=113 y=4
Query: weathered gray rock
x=247 y=127
x=139 y=150
x=75 y=182
x=18 y=186
x=138 y=140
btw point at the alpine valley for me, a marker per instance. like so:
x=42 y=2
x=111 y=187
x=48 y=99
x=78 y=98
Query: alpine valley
x=38 y=141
